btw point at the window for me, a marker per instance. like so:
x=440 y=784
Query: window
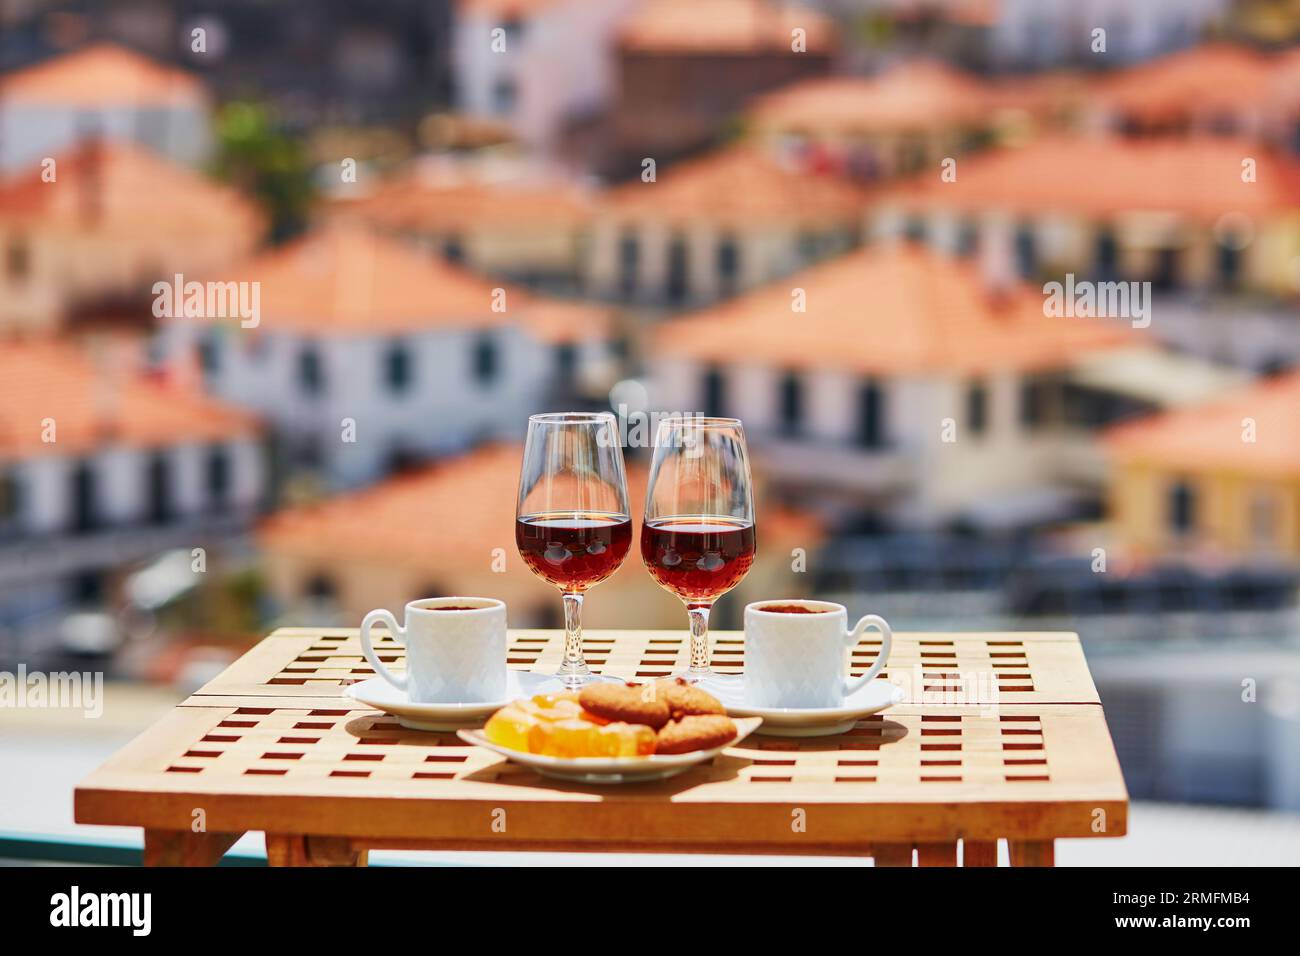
x=397 y=368
x=485 y=359
x=209 y=354
x=1229 y=264
x=217 y=477
x=1026 y=252
x=514 y=30
x=1033 y=402
x=566 y=363
x=1182 y=508
x=85 y=494
x=158 y=484
x=977 y=408
x=968 y=237
x=18 y=259
x=629 y=261
x=320 y=587
x=10 y=498
x=677 y=278
x=728 y=266
x=504 y=94
x=791 y=401
x=1263 y=520
x=453 y=249
x=715 y=393
x=1107 y=255
x=871 y=416
x=914 y=229
x=1167 y=270
x=311 y=376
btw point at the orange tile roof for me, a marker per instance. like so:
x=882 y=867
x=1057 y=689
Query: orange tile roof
x=739 y=187
x=887 y=310
x=916 y=95
x=430 y=199
x=723 y=27
x=1208 y=438
x=469 y=500
x=505 y=9
x=344 y=277
x=131 y=190
x=99 y=404
x=101 y=75
x=1207 y=79
x=1200 y=178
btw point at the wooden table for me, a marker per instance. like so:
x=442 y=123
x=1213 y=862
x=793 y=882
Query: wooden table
x=1001 y=736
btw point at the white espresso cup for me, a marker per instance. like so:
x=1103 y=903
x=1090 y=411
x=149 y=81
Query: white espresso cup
x=802 y=659
x=455 y=649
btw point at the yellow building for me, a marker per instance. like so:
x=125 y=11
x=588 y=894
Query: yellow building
x=1221 y=479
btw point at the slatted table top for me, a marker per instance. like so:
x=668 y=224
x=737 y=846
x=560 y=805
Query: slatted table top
x=272 y=745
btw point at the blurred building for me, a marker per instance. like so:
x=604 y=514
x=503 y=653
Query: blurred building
x=1221 y=478
x=1217 y=89
x=500 y=219
x=449 y=529
x=102 y=224
x=891 y=381
x=102 y=90
x=371 y=354
x=1032 y=34
x=1213 y=224
x=102 y=465
x=685 y=66
x=539 y=66
x=710 y=227
x=317 y=61
x=907 y=118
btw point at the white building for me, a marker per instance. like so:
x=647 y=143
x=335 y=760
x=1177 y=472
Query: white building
x=903 y=388
x=536 y=65
x=371 y=353
x=1047 y=33
x=114 y=219
x=103 y=90
x=103 y=465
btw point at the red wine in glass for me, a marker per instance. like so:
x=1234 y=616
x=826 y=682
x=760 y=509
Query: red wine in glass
x=573 y=550
x=698 y=558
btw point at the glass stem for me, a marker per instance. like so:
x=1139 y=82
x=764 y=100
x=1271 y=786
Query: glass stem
x=699 y=615
x=574 y=667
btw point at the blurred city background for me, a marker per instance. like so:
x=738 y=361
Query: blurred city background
x=834 y=220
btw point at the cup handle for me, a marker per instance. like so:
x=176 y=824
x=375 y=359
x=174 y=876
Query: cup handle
x=399 y=634
x=851 y=639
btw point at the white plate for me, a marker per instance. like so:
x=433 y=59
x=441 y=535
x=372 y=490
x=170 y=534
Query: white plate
x=612 y=769
x=381 y=695
x=805 y=721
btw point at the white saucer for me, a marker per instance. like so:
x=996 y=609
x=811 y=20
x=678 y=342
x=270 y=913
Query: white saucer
x=805 y=721
x=611 y=769
x=381 y=695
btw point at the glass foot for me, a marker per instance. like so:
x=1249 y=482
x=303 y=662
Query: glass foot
x=578 y=675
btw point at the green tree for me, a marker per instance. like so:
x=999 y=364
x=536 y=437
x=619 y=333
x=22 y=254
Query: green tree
x=257 y=156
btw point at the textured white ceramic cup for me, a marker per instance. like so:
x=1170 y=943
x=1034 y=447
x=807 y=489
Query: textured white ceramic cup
x=452 y=657
x=802 y=660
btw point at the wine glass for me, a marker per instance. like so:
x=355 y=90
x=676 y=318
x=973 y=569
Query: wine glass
x=573 y=527
x=697 y=539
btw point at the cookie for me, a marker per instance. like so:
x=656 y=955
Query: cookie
x=622 y=702
x=687 y=700
x=695 y=733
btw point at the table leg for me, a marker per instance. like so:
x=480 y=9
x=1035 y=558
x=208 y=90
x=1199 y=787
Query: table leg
x=297 y=850
x=892 y=854
x=936 y=854
x=979 y=853
x=185 y=848
x=1032 y=853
